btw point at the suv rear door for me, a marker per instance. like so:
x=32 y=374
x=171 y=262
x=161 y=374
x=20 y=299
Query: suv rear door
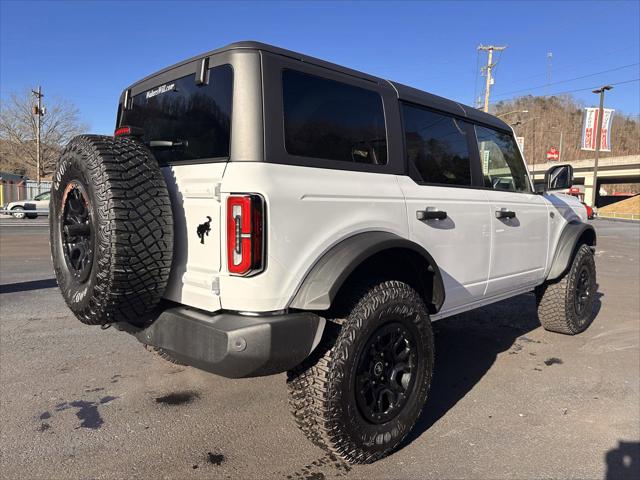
x=519 y=217
x=446 y=216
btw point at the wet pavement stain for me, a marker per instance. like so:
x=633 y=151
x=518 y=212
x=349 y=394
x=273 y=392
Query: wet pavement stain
x=178 y=398
x=215 y=458
x=552 y=361
x=44 y=426
x=87 y=412
x=44 y=416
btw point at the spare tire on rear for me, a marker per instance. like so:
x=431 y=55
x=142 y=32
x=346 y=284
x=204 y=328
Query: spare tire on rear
x=111 y=230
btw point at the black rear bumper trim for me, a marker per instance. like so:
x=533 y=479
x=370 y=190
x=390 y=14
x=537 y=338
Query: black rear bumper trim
x=234 y=345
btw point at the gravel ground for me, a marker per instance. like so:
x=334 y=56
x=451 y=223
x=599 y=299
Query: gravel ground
x=509 y=400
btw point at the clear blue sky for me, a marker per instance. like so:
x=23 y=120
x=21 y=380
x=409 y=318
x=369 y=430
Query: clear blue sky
x=89 y=51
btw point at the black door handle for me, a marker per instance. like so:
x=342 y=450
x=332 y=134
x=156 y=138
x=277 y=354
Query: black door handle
x=504 y=213
x=431 y=215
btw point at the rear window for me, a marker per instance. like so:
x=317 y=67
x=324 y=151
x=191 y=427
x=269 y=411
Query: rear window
x=184 y=121
x=332 y=120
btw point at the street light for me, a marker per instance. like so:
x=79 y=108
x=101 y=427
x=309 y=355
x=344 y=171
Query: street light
x=600 y=91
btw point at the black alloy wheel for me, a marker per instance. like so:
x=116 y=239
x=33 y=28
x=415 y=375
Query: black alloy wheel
x=385 y=372
x=582 y=298
x=76 y=232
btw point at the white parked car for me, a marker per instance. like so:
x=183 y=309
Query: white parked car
x=259 y=211
x=21 y=208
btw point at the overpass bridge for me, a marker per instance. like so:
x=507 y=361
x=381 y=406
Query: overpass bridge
x=624 y=169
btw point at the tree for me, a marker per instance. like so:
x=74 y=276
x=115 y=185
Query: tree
x=18 y=127
x=547 y=117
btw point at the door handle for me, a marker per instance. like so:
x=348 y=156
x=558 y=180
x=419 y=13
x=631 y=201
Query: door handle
x=431 y=214
x=504 y=213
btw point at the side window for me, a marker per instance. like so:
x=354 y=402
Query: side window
x=43 y=196
x=437 y=147
x=332 y=120
x=502 y=164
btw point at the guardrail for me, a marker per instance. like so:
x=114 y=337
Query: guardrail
x=625 y=216
x=26 y=211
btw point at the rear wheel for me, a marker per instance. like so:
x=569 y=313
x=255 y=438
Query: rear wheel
x=362 y=390
x=111 y=230
x=567 y=306
x=18 y=212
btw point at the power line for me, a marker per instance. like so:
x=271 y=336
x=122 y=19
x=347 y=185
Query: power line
x=571 y=65
x=569 y=80
x=580 y=89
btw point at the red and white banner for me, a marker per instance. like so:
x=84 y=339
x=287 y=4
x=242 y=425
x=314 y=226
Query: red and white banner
x=590 y=127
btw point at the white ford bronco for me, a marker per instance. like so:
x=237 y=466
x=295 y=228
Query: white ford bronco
x=259 y=211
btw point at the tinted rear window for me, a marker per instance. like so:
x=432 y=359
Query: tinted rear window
x=197 y=116
x=332 y=120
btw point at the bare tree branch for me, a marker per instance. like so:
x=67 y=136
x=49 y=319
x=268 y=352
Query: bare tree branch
x=18 y=133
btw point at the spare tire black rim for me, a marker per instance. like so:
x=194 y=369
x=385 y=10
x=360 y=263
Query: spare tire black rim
x=385 y=372
x=76 y=232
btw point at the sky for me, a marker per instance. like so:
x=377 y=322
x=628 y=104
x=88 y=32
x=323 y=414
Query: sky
x=87 y=52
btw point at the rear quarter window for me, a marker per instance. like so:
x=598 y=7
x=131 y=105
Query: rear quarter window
x=332 y=120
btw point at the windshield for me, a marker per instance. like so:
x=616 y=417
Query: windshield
x=181 y=120
x=43 y=196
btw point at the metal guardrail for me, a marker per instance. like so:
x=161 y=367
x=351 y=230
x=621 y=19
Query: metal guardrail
x=25 y=211
x=625 y=216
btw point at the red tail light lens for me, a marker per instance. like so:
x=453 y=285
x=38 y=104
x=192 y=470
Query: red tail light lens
x=122 y=131
x=245 y=234
x=128 y=131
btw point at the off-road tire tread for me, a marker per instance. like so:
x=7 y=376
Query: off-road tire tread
x=311 y=384
x=555 y=300
x=134 y=245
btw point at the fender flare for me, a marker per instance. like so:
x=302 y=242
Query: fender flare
x=322 y=283
x=567 y=243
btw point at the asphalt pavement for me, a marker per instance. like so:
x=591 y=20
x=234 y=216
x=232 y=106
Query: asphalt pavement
x=509 y=400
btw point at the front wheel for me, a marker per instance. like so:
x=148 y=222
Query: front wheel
x=567 y=306
x=362 y=390
x=18 y=212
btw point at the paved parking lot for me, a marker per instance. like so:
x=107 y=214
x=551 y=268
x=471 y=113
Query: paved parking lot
x=509 y=400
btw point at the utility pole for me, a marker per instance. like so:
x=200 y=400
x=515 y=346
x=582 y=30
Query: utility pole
x=38 y=110
x=596 y=155
x=560 y=146
x=487 y=89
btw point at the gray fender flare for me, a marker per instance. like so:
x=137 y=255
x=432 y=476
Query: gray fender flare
x=325 y=278
x=566 y=247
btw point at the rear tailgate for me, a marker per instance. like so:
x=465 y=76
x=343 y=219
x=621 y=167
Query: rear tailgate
x=196 y=256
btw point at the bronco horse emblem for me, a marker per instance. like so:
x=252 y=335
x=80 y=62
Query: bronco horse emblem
x=204 y=229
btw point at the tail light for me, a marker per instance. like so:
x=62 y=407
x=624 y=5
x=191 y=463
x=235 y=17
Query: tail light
x=245 y=234
x=128 y=131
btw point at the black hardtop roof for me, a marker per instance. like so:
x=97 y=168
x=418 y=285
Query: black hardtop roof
x=404 y=92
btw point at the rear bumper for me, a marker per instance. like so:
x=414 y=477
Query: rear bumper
x=233 y=345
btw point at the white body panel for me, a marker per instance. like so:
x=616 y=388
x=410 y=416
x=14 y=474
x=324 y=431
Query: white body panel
x=459 y=244
x=196 y=266
x=309 y=210
x=519 y=247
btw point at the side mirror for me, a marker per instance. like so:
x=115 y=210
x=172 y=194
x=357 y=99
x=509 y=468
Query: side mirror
x=558 y=177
